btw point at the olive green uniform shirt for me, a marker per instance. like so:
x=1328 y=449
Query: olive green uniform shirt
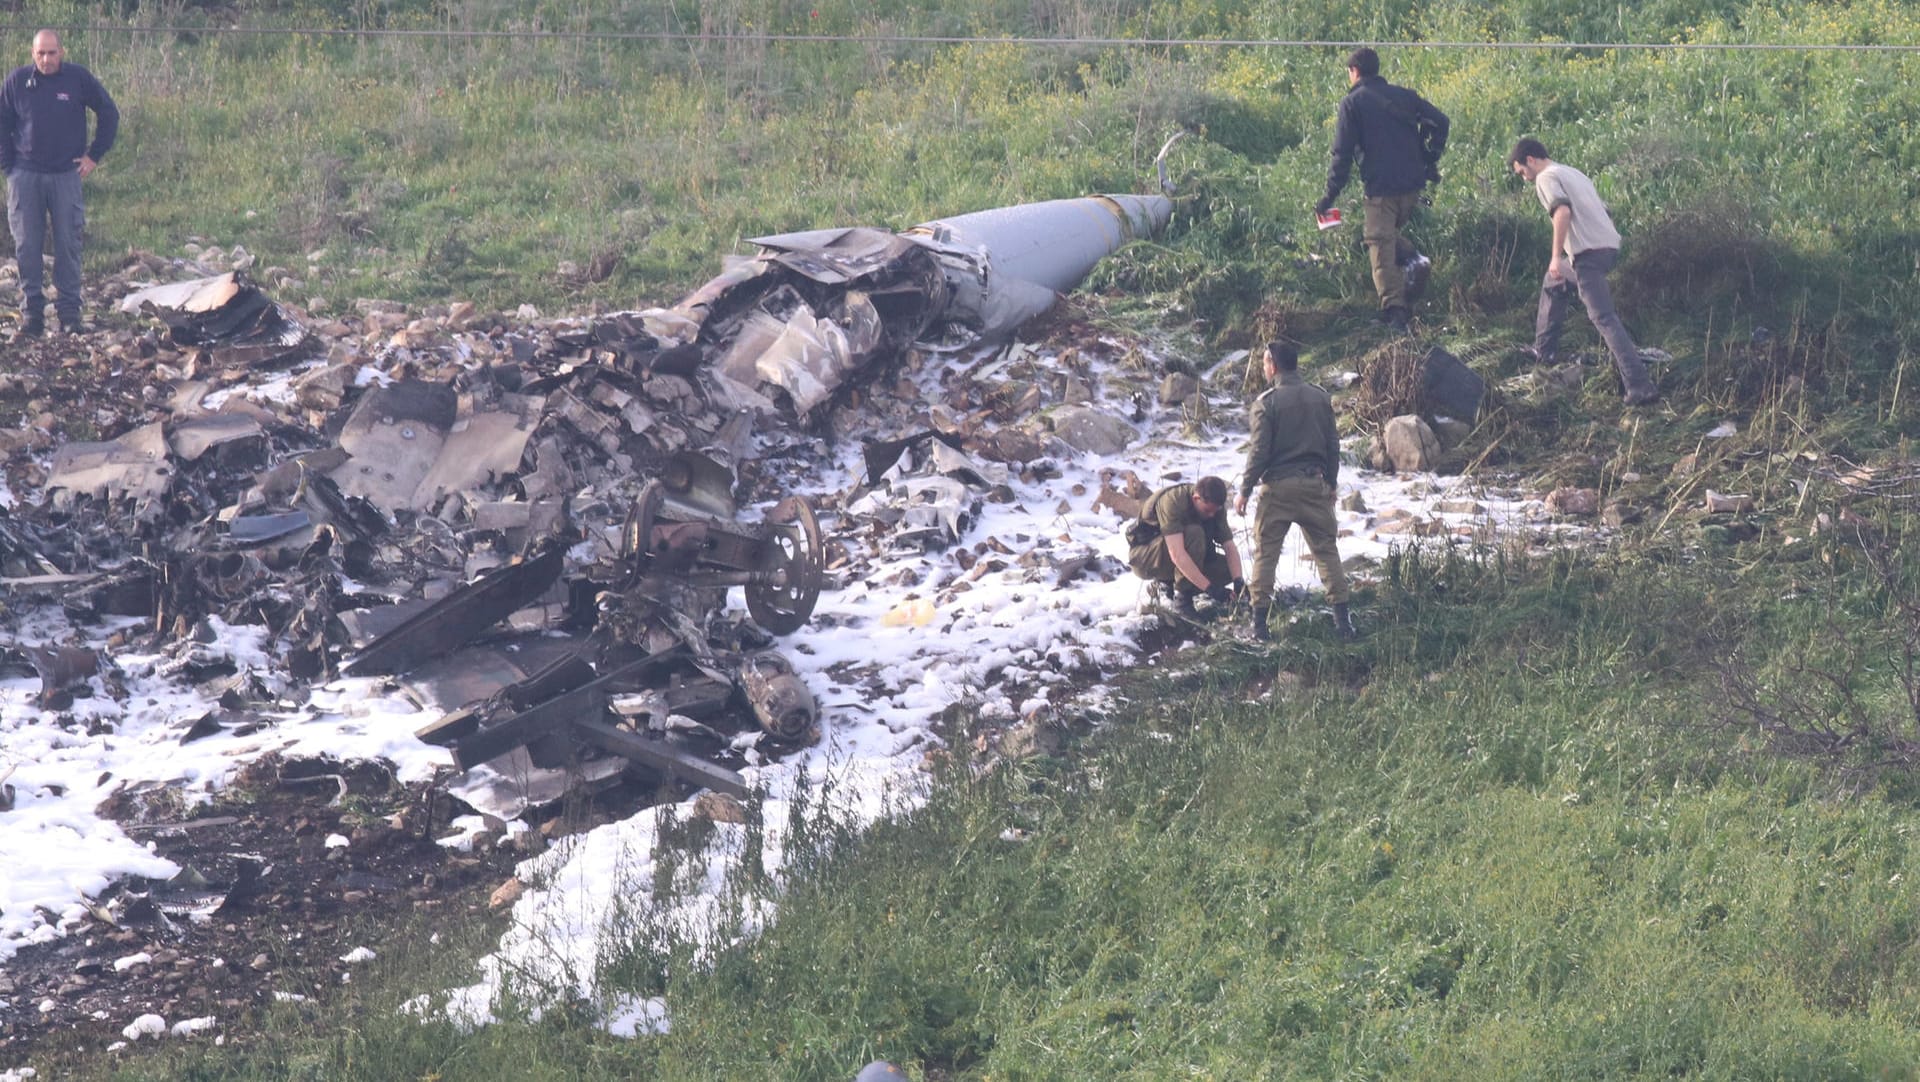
x=1169 y=513
x=1293 y=435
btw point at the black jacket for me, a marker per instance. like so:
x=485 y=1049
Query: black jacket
x=43 y=119
x=1398 y=133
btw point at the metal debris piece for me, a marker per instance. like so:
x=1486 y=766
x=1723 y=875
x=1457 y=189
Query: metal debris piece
x=598 y=474
x=462 y=615
x=1448 y=387
x=571 y=717
x=237 y=436
x=226 y=311
x=132 y=467
x=820 y=306
x=260 y=529
x=61 y=669
x=780 y=699
x=394 y=437
x=1009 y=264
x=672 y=543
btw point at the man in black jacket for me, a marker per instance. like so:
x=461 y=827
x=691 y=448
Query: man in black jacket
x=45 y=154
x=1400 y=137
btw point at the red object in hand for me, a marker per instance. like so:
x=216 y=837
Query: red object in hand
x=1329 y=219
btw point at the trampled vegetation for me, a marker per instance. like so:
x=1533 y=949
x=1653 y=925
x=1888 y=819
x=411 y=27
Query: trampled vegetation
x=1642 y=813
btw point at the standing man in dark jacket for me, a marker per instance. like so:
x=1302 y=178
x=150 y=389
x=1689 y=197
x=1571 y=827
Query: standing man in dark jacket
x=1295 y=458
x=1399 y=136
x=45 y=154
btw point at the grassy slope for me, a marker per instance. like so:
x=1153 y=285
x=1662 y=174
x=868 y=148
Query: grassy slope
x=1499 y=838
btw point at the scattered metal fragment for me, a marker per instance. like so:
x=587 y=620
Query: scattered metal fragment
x=226 y=311
x=133 y=467
x=582 y=495
x=461 y=615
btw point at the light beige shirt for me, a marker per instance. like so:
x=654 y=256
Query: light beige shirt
x=1590 y=227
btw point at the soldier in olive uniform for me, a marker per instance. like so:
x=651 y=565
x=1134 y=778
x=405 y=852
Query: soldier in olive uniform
x=1295 y=458
x=1182 y=541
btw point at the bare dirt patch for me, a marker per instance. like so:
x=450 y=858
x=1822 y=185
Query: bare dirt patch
x=268 y=903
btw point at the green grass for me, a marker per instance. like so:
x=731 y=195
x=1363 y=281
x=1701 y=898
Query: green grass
x=1754 y=188
x=1523 y=830
x=1533 y=845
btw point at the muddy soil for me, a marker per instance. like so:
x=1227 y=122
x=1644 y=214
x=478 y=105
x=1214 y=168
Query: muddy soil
x=270 y=902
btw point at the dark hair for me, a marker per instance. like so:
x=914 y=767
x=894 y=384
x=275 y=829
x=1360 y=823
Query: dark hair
x=1211 y=489
x=1526 y=148
x=1284 y=357
x=1365 y=60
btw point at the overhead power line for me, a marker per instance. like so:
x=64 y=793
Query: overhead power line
x=943 y=39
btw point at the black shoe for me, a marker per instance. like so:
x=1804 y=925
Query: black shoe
x=33 y=326
x=1262 y=613
x=1343 y=622
x=1418 y=271
x=1396 y=319
x=71 y=326
x=1183 y=604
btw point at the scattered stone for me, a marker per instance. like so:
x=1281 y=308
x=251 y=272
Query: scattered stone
x=1561 y=381
x=1009 y=445
x=1034 y=736
x=147 y=1025
x=1721 y=503
x=1092 y=431
x=506 y=894
x=1452 y=432
x=719 y=808
x=1573 y=502
x=1177 y=387
x=1409 y=444
x=1620 y=513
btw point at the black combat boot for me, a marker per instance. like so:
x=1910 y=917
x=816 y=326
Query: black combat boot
x=1262 y=613
x=1183 y=596
x=1418 y=271
x=33 y=326
x=1343 y=622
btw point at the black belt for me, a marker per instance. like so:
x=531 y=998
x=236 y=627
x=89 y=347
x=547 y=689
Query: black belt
x=1284 y=472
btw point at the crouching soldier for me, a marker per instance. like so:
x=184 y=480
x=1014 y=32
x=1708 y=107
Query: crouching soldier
x=1294 y=457
x=1183 y=542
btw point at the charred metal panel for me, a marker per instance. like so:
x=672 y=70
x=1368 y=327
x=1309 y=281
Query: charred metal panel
x=394 y=437
x=462 y=615
x=227 y=312
x=134 y=467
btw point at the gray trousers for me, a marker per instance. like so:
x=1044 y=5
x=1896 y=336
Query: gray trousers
x=1590 y=284
x=33 y=199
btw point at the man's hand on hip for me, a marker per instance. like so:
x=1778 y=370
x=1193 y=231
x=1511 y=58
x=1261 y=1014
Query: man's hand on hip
x=87 y=165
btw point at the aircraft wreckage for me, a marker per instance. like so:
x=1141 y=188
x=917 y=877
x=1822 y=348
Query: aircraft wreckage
x=537 y=534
